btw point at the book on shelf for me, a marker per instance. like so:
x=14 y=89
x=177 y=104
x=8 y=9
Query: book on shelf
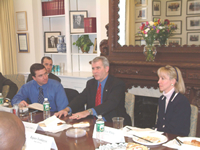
x=90 y=25
x=55 y=7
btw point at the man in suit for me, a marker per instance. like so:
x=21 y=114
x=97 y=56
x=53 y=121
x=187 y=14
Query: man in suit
x=52 y=42
x=47 y=62
x=12 y=86
x=104 y=95
x=12 y=132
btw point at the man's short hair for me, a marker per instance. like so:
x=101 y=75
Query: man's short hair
x=36 y=67
x=47 y=57
x=103 y=59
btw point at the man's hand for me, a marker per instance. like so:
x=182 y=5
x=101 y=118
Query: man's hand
x=80 y=115
x=63 y=112
x=23 y=103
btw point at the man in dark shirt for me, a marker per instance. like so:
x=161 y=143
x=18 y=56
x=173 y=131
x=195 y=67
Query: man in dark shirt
x=47 y=62
x=12 y=86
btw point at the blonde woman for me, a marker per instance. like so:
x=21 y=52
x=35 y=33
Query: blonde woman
x=174 y=108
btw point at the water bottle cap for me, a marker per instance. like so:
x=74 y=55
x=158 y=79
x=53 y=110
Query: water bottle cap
x=0 y=94
x=99 y=116
x=45 y=99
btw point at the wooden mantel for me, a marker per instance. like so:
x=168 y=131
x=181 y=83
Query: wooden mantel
x=128 y=62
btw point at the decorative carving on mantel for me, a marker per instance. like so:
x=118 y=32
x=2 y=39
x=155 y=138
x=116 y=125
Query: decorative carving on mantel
x=104 y=48
x=193 y=75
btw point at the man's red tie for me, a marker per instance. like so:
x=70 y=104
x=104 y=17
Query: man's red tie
x=98 y=96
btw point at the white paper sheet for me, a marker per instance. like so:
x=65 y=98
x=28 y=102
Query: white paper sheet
x=36 y=106
x=30 y=127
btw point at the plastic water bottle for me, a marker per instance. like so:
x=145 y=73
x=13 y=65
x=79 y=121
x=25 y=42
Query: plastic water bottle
x=46 y=109
x=99 y=128
x=1 y=99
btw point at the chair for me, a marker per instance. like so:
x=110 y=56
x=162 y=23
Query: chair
x=193 y=120
x=129 y=105
x=18 y=79
x=71 y=94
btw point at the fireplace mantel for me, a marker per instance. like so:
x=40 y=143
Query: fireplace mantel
x=128 y=62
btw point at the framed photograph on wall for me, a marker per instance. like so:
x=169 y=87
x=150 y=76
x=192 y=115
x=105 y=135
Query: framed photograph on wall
x=173 y=8
x=77 y=21
x=141 y=14
x=51 y=41
x=193 y=38
x=23 y=42
x=193 y=23
x=178 y=26
x=174 y=41
x=156 y=6
x=137 y=27
x=139 y=3
x=21 y=19
x=95 y=46
x=193 y=7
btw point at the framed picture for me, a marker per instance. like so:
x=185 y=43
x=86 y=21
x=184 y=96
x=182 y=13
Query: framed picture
x=21 y=21
x=77 y=21
x=137 y=27
x=173 y=8
x=156 y=6
x=178 y=26
x=23 y=42
x=139 y=41
x=193 y=23
x=155 y=19
x=51 y=41
x=193 y=38
x=141 y=13
x=95 y=46
x=174 y=41
x=141 y=2
x=193 y=7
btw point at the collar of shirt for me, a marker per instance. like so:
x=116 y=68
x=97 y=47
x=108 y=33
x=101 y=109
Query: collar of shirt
x=168 y=95
x=43 y=86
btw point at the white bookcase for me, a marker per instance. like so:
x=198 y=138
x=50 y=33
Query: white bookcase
x=74 y=59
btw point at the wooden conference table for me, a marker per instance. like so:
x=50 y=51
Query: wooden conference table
x=86 y=142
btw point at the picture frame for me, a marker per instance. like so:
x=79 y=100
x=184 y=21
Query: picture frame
x=21 y=19
x=51 y=41
x=23 y=42
x=137 y=27
x=193 y=38
x=173 y=8
x=193 y=7
x=174 y=41
x=178 y=24
x=77 y=21
x=95 y=46
x=139 y=41
x=141 y=14
x=193 y=23
x=139 y=3
x=156 y=8
x=155 y=19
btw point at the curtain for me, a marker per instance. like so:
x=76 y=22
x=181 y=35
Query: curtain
x=8 y=58
x=130 y=22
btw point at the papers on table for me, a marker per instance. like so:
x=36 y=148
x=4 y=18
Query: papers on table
x=138 y=131
x=173 y=143
x=111 y=135
x=36 y=106
x=51 y=125
x=37 y=141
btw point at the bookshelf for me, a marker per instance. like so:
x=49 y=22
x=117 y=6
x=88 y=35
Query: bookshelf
x=74 y=59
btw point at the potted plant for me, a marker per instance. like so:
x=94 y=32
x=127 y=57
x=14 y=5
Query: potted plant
x=83 y=43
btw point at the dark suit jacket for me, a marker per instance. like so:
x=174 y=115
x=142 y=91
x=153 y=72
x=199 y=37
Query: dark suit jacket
x=51 y=76
x=176 y=120
x=112 y=103
x=12 y=86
